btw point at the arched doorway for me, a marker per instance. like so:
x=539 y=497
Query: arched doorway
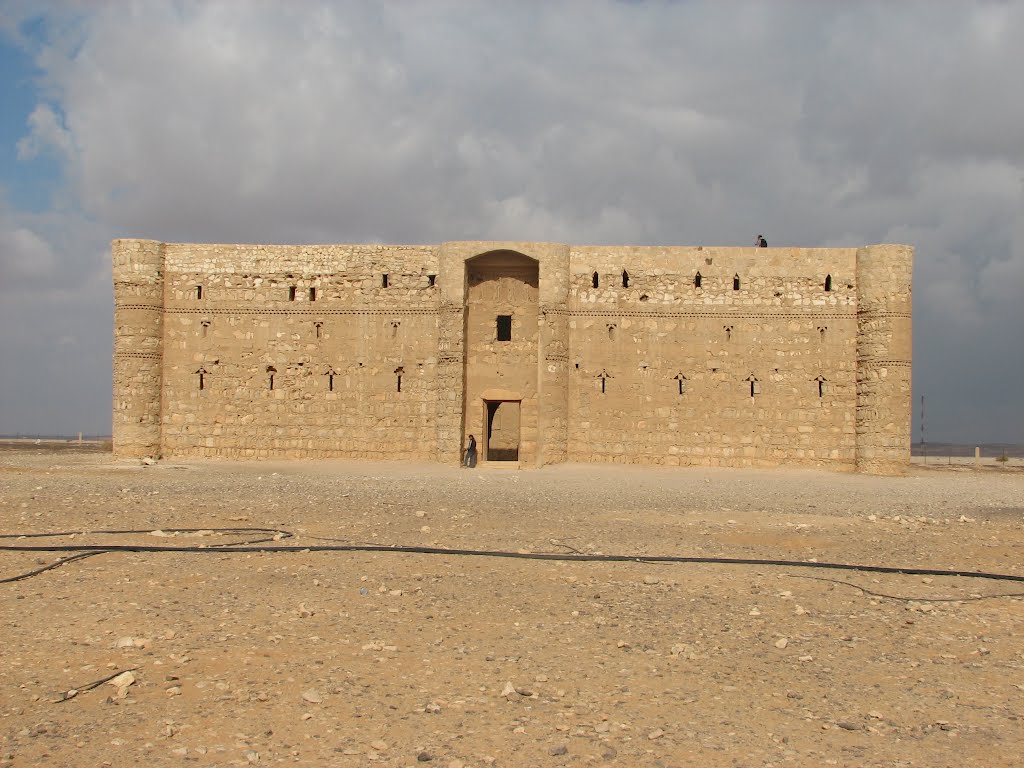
x=501 y=362
x=503 y=431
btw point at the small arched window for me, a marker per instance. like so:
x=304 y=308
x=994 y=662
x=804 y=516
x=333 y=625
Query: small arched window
x=595 y=280
x=625 y=279
x=696 y=280
x=735 y=282
x=828 y=282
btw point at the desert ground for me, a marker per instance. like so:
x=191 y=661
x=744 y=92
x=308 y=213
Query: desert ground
x=364 y=658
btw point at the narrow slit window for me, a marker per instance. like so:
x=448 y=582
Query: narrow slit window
x=330 y=382
x=398 y=378
x=602 y=384
x=431 y=281
x=504 y=327
x=728 y=332
x=681 y=380
x=821 y=381
x=828 y=282
x=318 y=329
x=291 y=293
x=205 y=325
x=271 y=370
x=595 y=280
x=697 y=280
x=735 y=282
x=611 y=332
x=312 y=294
x=625 y=279
x=199 y=291
x=202 y=378
x=384 y=280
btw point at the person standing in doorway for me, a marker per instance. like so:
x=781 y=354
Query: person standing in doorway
x=470 y=459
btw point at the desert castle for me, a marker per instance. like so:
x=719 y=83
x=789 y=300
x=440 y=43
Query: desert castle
x=546 y=352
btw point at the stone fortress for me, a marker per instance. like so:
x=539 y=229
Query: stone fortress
x=546 y=352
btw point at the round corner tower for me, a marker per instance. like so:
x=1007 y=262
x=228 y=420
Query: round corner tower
x=884 y=401
x=138 y=345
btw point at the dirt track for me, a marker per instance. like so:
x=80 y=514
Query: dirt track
x=353 y=659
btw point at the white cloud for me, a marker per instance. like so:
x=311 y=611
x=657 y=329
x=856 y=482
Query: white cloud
x=23 y=255
x=658 y=122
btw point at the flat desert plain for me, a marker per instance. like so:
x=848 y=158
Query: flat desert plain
x=365 y=658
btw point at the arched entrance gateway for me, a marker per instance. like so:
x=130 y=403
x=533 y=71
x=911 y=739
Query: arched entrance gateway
x=502 y=332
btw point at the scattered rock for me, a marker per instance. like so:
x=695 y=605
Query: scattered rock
x=560 y=749
x=312 y=696
x=121 y=683
x=781 y=643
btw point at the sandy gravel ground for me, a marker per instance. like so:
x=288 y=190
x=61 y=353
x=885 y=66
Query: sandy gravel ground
x=391 y=659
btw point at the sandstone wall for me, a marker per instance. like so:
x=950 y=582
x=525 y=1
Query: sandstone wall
x=884 y=399
x=138 y=346
x=671 y=355
x=756 y=365
x=300 y=351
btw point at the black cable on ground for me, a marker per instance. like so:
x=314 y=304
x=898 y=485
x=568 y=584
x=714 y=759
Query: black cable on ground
x=905 y=598
x=51 y=566
x=278 y=534
x=551 y=556
x=54 y=534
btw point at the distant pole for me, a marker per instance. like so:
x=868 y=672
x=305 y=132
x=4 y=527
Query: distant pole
x=924 y=452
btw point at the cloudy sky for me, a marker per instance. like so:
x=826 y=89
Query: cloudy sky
x=587 y=121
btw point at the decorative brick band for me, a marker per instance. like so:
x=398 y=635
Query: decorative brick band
x=296 y=311
x=870 y=313
x=884 y=363
x=809 y=315
x=139 y=355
